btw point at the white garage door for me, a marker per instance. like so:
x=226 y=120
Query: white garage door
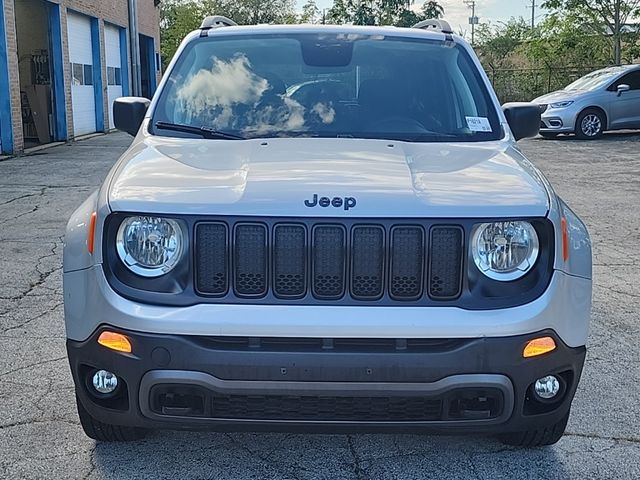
x=81 y=58
x=114 y=66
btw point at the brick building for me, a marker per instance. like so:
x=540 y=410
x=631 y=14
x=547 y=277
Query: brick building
x=63 y=62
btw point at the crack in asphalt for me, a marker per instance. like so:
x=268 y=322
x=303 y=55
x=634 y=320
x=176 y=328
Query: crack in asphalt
x=287 y=469
x=21 y=197
x=602 y=437
x=92 y=462
x=45 y=186
x=33 y=319
x=43 y=276
x=33 y=210
x=615 y=290
x=359 y=472
x=474 y=469
x=21 y=423
x=37 y=364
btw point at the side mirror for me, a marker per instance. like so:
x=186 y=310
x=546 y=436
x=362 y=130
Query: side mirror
x=623 y=87
x=128 y=113
x=523 y=118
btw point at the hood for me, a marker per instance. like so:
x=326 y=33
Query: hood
x=560 y=96
x=305 y=177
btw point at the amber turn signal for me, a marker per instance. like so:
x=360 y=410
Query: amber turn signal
x=539 y=346
x=92 y=233
x=115 y=341
x=565 y=239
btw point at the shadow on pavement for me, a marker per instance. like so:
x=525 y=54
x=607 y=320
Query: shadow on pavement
x=257 y=456
x=626 y=135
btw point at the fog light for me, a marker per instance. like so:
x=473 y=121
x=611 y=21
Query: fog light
x=105 y=381
x=547 y=387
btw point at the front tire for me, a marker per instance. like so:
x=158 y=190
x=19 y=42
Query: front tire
x=590 y=124
x=105 y=432
x=537 y=437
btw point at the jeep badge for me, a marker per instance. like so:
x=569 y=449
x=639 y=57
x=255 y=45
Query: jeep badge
x=337 y=202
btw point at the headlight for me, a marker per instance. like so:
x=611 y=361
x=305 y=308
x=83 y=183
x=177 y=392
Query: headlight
x=564 y=104
x=149 y=246
x=505 y=251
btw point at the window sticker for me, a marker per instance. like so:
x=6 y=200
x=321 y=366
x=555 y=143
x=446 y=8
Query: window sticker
x=479 y=124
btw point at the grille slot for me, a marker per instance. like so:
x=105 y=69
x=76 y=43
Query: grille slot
x=289 y=261
x=250 y=259
x=407 y=263
x=329 y=258
x=211 y=258
x=445 y=265
x=281 y=407
x=367 y=262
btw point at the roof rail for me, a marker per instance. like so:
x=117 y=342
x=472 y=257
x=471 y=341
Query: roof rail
x=216 y=21
x=435 y=24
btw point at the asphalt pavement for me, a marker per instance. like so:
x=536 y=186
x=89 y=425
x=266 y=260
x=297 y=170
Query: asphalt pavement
x=40 y=436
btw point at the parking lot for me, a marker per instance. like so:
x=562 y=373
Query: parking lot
x=40 y=436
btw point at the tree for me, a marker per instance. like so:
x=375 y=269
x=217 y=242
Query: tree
x=252 y=12
x=310 y=12
x=340 y=12
x=432 y=9
x=560 y=42
x=497 y=43
x=602 y=17
x=407 y=18
x=364 y=13
x=382 y=12
x=179 y=17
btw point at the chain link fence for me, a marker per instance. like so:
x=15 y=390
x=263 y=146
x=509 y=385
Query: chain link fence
x=525 y=84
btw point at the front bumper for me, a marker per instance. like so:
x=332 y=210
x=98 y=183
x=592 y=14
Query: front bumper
x=564 y=307
x=558 y=120
x=480 y=385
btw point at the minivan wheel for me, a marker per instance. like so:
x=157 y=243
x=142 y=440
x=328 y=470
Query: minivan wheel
x=590 y=124
x=105 y=432
x=537 y=437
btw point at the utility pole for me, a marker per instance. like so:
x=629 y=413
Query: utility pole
x=617 y=30
x=533 y=14
x=473 y=20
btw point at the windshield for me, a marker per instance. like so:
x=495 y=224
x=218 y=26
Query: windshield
x=594 y=80
x=325 y=85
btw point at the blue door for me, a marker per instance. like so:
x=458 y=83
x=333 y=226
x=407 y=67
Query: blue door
x=147 y=66
x=6 y=131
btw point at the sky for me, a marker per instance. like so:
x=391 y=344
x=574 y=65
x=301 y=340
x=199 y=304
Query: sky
x=457 y=13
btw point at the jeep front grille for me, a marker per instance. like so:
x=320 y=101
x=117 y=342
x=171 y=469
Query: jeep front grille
x=328 y=262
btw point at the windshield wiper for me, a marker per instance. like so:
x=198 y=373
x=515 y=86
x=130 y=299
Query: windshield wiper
x=204 y=132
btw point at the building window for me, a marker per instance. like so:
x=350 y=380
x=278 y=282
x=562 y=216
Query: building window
x=114 y=76
x=76 y=69
x=81 y=74
x=88 y=74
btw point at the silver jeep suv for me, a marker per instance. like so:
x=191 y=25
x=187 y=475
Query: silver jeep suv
x=326 y=228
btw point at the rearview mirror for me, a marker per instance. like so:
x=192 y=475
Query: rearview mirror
x=523 y=118
x=623 y=87
x=128 y=113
